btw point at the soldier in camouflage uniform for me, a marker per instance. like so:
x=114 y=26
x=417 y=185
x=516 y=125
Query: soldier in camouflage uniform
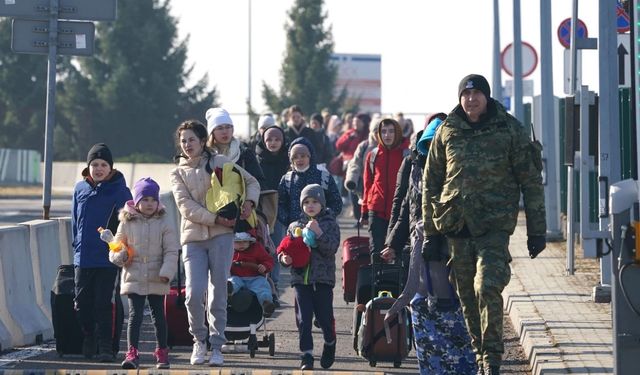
x=479 y=163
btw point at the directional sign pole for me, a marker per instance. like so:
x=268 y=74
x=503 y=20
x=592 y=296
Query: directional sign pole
x=51 y=106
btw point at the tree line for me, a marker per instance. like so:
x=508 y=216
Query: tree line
x=134 y=90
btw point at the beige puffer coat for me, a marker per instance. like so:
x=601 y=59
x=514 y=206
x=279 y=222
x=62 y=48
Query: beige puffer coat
x=189 y=183
x=155 y=245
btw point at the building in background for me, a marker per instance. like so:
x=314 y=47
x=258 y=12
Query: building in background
x=361 y=75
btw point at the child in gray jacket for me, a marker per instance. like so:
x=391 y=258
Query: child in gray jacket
x=314 y=282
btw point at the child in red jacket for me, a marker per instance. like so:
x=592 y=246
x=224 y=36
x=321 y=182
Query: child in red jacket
x=251 y=263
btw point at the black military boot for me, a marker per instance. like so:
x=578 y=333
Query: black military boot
x=328 y=355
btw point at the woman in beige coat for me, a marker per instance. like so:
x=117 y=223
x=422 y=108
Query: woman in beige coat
x=206 y=237
x=146 y=230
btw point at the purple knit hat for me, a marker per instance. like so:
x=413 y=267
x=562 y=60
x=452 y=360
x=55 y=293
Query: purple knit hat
x=145 y=187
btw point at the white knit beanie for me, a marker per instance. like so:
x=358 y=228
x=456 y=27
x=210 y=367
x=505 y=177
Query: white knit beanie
x=216 y=117
x=265 y=121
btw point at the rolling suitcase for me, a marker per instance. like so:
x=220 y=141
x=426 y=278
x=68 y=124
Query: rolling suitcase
x=176 y=312
x=355 y=253
x=443 y=345
x=377 y=340
x=66 y=327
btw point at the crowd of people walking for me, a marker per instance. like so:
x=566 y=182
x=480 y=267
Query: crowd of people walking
x=442 y=202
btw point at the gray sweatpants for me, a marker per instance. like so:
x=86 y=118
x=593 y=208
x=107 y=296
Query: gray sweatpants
x=207 y=265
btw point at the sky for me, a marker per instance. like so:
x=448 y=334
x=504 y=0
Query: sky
x=426 y=46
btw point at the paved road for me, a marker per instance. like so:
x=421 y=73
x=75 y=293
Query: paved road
x=18 y=210
x=286 y=357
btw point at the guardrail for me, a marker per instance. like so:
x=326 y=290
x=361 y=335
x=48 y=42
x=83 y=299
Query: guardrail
x=30 y=253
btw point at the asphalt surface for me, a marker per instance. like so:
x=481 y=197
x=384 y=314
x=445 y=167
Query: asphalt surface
x=282 y=325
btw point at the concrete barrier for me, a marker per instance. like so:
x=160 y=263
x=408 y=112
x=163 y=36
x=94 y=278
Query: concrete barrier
x=44 y=241
x=66 y=174
x=5 y=337
x=19 y=311
x=65 y=234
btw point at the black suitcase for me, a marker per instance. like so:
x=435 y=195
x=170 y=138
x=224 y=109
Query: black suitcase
x=388 y=277
x=66 y=328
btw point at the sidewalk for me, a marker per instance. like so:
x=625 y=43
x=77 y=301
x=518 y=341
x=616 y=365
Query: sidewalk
x=561 y=330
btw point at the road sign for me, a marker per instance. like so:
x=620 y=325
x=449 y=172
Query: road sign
x=564 y=32
x=32 y=36
x=527 y=88
x=529 y=59
x=567 y=70
x=624 y=60
x=84 y=10
x=622 y=19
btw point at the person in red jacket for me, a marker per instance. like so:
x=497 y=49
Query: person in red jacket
x=380 y=168
x=347 y=144
x=251 y=263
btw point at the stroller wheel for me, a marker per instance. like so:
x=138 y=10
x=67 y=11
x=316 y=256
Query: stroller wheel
x=272 y=345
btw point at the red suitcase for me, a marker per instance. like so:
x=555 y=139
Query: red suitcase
x=355 y=253
x=176 y=314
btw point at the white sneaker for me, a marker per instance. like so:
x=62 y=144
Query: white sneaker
x=199 y=353
x=216 y=358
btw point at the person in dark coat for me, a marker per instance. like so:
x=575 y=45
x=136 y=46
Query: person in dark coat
x=407 y=208
x=304 y=172
x=297 y=127
x=273 y=158
x=96 y=202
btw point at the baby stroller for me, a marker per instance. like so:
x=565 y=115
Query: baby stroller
x=245 y=315
x=244 y=319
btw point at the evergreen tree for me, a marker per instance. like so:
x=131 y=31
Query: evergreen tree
x=23 y=83
x=139 y=78
x=307 y=76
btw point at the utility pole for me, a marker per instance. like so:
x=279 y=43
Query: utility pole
x=518 y=109
x=497 y=68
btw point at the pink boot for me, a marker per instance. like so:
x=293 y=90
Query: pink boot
x=162 y=358
x=131 y=359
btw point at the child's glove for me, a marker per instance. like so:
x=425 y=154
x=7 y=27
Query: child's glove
x=119 y=258
x=309 y=237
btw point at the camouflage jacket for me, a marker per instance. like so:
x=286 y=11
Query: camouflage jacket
x=475 y=173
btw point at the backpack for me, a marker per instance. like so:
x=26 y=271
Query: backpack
x=324 y=179
x=374 y=152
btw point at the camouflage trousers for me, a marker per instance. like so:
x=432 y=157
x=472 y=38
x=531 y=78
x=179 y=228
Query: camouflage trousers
x=480 y=271
x=442 y=341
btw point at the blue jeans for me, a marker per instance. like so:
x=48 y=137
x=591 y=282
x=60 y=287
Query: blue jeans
x=257 y=284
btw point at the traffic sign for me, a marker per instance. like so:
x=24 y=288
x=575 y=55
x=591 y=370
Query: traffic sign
x=624 y=60
x=622 y=19
x=564 y=32
x=529 y=59
x=84 y=10
x=32 y=36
